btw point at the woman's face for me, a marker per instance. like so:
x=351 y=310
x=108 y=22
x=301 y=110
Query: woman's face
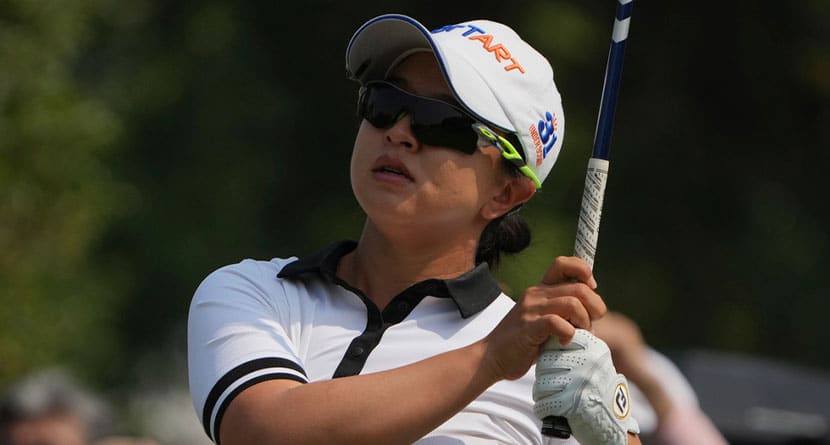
x=402 y=183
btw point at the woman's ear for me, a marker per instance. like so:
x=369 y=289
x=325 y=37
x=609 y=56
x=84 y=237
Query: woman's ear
x=514 y=192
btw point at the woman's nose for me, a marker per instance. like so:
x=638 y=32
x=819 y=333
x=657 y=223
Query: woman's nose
x=400 y=134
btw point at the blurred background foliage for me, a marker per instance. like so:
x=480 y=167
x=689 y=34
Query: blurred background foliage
x=144 y=143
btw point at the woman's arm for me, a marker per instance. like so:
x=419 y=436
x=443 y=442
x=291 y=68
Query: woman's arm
x=395 y=406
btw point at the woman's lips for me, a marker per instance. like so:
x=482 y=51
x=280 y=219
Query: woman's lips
x=392 y=169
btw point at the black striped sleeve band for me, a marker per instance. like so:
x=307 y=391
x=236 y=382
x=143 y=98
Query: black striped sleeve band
x=240 y=378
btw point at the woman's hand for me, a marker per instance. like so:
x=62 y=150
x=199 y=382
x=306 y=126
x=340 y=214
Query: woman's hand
x=562 y=301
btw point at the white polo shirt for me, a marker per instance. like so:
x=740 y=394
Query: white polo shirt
x=294 y=319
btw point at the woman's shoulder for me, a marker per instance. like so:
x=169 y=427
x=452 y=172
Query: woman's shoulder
x=250 y=269
x=502 y=304
x=248 y=277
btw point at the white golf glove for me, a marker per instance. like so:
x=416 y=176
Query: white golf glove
x=579 y=382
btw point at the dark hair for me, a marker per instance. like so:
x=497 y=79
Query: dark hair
x=508 y=234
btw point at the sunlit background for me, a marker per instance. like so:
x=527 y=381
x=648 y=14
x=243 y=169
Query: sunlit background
x=145 y=143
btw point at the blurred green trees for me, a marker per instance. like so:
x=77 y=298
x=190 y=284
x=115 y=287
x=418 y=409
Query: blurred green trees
x=58 y=192
x=145 y=143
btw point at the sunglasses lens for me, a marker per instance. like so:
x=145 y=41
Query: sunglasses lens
x=452 y=132
x=378 y=107
x=433 y=122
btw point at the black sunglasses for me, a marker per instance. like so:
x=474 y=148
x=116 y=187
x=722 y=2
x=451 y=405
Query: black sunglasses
x=434 y=122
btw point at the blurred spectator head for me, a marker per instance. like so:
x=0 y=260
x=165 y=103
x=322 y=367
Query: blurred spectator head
x=50 y=408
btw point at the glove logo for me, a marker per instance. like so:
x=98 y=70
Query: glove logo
x=621 y=401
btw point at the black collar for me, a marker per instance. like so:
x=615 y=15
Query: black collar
x=471 y=292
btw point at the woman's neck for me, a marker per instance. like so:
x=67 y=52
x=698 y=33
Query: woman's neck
x=382 y=266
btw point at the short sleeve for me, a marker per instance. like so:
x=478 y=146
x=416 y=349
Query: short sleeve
x=237 y=336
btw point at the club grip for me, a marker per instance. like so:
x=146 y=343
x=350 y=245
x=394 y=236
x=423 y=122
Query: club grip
x=555 y=426
x=590 y=212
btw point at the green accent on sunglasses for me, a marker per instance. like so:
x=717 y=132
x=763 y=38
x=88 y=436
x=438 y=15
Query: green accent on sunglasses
x=508 y=152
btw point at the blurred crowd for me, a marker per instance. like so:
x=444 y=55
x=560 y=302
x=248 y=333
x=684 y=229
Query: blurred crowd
x=51 y=407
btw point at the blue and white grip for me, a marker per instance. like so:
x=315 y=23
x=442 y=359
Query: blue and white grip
x=587 y=232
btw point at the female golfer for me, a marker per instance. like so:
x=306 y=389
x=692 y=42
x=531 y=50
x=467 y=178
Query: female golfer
x=404 y=336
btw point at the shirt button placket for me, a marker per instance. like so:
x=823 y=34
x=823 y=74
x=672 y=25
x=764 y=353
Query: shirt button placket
x=357 y=351
x=403 y=308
